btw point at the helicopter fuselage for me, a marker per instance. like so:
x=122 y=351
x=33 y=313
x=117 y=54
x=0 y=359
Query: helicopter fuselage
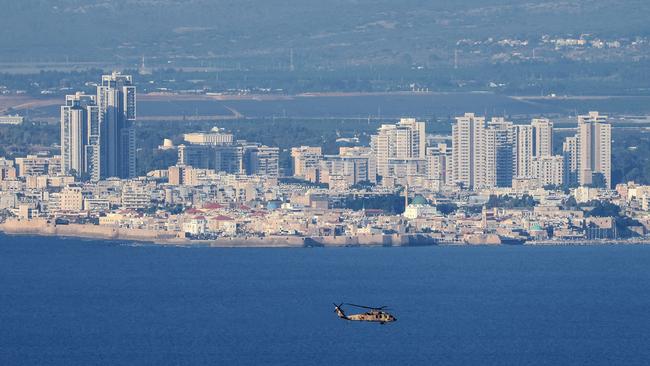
x=374 y=315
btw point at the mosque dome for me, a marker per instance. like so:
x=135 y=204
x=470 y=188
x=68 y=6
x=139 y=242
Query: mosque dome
x=419 y=200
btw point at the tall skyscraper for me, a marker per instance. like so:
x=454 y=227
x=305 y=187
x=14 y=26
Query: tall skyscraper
x=498 y=145
x=97 y=139
x=594 y=150
x=116 y=98
x=524 y=151
x=79 y=136
x=467 y=151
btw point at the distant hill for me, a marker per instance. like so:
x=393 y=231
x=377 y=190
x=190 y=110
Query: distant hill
x=332 y=33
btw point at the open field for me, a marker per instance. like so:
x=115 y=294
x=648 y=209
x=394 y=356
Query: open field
x=355 y=106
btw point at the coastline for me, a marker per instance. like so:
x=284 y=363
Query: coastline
x=43 y=228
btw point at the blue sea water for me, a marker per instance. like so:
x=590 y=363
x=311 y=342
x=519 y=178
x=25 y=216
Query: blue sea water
x=73 y=302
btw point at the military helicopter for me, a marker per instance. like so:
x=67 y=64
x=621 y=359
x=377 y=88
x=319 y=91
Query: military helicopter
x=375 y=314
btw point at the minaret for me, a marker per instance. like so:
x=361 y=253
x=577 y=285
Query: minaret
x=406 y=196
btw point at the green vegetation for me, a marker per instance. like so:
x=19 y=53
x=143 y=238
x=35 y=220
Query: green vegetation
x=504 y=201
x=16 y=141
x=447 y=208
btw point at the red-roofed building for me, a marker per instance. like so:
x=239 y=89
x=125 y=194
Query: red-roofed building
x=193 y=211
x=212 y=206
x=223 y=224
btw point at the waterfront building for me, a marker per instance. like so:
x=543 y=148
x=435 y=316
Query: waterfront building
x=135 y=196
x=71 y=199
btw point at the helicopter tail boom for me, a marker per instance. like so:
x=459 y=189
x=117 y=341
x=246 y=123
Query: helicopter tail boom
x=339 y=311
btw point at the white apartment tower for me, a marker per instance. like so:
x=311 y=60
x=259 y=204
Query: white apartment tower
x=403 y=141
x=467 y=147
x=524 y=151
x=542 y=137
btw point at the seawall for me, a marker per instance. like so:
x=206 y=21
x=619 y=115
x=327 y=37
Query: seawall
x=42 y=227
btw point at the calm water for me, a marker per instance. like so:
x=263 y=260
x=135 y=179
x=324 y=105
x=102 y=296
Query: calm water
x=71 y=302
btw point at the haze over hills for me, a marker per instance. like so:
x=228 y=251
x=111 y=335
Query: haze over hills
x=321 y=33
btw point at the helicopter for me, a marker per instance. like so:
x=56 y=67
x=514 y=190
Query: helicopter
x=375 y=314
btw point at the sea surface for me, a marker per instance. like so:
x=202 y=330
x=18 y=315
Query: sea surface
x=74 y=302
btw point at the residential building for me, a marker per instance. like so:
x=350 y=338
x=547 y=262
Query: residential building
x=116 y=99
x=594 y=150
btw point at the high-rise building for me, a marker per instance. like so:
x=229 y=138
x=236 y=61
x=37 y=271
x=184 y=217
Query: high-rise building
x=570 y=155
x=467 y=151
x=594 y=150
x=80 y=136
x=97 y=139
x=403 y=141
x=524 y=151
x=542 y=137
x=498 y=148
x=499 y=152
x=116 y=99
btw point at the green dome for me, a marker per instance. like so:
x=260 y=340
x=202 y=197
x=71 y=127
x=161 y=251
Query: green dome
x=419 y=200
x=536 y=227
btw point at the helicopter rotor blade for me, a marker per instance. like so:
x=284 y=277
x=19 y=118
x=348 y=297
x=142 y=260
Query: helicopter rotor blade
x=368 y=307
